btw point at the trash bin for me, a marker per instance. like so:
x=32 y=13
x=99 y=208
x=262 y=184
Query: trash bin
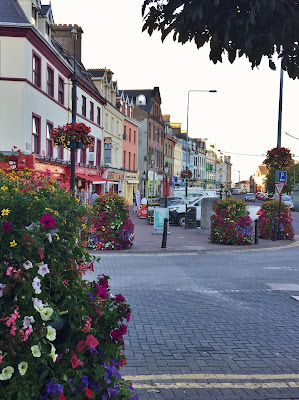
x=192 y=223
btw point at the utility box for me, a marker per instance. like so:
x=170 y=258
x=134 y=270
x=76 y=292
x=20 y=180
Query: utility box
x=192 y=223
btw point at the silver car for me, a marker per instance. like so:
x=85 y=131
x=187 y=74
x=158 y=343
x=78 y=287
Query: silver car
x=288 y=200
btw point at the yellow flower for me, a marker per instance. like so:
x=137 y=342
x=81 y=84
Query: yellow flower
x=56 y=213
x=83 y=226
x=6 y=373
x=5 y=211
x=46 y=313
x=64 y=221
x=52 y=354
x=103 y=228
x=4 y=188
x=36 y=198
x=78 y=200
x=23 y=366
x=51 y=333
x=35 y=351
x=13 y=243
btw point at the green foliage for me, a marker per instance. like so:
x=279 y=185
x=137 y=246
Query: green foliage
x=60 y=336
x=266 y=220
x=256 y=29
x=270 y=180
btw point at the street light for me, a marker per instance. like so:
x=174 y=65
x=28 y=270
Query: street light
x=74 y=35
x=143 y=177
x=166 y=172
x=187 y=151
x=239 y=180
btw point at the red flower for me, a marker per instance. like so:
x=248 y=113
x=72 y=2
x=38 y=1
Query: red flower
x=62 y=396
x=91 y=341
x=6 y=226
x=75 y=361
x=102 y=292
x=48 y=221
x=88 y=393
x=119 y=298
x=81 y=345
x=116 y=335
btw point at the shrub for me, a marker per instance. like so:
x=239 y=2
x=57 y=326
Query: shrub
x=112 y=228
x=61 y=337
x=269 y=211
x=231 y=223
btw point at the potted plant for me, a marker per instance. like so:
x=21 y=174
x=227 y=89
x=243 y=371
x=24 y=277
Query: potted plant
x=183 y=174
x=75 y=135
x=279 y=158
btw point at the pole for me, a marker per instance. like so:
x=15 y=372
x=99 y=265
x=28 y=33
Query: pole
x=279 y=218
x=166 y=190
x=187 y=164
x=280 y=108
x=256 y=231
x=74 y=113
x=164 y=238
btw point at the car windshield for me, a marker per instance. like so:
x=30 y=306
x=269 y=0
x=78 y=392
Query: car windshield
x=249 y=195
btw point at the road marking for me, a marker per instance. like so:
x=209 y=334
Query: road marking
x=266 y=381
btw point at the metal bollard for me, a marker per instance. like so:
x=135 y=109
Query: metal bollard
x=274 y=229
x=164 y=238
x=256 y=231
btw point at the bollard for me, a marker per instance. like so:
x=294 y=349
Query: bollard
x=164 y=238
x=256 y=231
x=274 y=229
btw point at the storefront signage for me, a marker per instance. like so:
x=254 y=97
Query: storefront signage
x=132 y=176
x=54 y=169
x=87 y=171
x=115 y=177
x=108 y=142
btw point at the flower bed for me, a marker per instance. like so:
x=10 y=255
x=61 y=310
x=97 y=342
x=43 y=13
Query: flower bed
x=61 y=337
x=231 y=223
x=269 y=211
x=112 y=228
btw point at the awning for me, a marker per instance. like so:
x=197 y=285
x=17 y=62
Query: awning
x=132 y=181
x=95 y=179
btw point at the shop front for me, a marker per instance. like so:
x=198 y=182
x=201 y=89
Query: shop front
x=87 y=180
x=115 y=182
x=131 y=183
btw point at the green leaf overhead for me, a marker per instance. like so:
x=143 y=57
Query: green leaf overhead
x=254 y=28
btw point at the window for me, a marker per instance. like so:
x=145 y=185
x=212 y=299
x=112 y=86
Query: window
x=84 y=106
x=50 y=82
x=91 y=111
x=149 y=131
x=129 y=134
x=99 y=116
x=35 y=145
x=117 y=128
x=99 y=149
x=83 y=156
x=124 y=160
x=134 y=137
x=112 y=124
x=129 y=167
x=134 y=162
x=49 y=149
x=61 y=90
x=36 y=70
x=106 y=122
x=60 y=153
x=91 y=153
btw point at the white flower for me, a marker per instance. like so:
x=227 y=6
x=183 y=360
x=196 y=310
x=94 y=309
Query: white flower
x=23 y=366
x=38 y=304
x=27 y=321
x=53 y=355
x=36 y=285
x=43 y=269
x=29 y=227
x=2 y=286
x=49 y=236
x=27 y=264
x=51 y=333
x=46 y=313
x=6 y=373
x=35 y=351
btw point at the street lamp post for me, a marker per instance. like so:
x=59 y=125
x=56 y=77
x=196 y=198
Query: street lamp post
x=143 y=177
x=74 y=112
x=166 y=172
x=187 y=151
x=239 y=180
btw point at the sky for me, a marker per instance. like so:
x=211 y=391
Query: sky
x=241 y=118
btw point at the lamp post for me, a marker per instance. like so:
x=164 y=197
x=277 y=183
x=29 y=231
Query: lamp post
x=239 y=180
x=166 y=172
x=74 y=112
x=143 y=177
x=187 y=151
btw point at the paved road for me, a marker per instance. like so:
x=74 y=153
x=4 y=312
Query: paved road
x=210 y=326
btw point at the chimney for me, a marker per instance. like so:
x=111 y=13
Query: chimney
x=62 y=34
x=166 y=118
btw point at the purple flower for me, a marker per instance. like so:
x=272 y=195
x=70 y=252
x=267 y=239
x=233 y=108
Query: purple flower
x=6 y=226
x=85 y=380
x=48 y=221
x=52 y=387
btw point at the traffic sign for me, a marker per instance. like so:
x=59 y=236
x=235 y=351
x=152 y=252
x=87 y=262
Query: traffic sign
x=282 y=176
x=279 y=187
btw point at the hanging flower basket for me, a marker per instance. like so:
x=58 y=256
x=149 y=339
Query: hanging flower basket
x=183 y=174
x=279 y=157
x=74 y=135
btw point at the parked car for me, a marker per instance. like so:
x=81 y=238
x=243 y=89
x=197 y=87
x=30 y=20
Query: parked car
x=288 y=200
x=177 y=213
x=235 y=191
x=170 y=200
x=261 y=196
x=268 y=196
x=249 y=197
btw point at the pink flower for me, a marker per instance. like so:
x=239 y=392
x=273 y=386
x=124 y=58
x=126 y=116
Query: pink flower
x=81 y=345
x=119 y=298
x=6 y=226
x=116 y=335
x=75 y=361
x=91 y=341
x=102 y=292
x=36 y=285
x=43 y=270
x=128 y=316
x=88 y=393
x=123 y=329
x=48 y=221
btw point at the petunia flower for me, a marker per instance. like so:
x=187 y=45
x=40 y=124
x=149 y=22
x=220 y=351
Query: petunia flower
x=52 y=354
x=35 y=351
x=27 y=321
x=6 y=226
x=91 y=341
x=51 y=333
x=75 y=361
x=27 y=264
x=36 y=285
x=23 y=366
x=6 y=373
x=48 y=221
x=38 y=304
x=46 y=313
x=43 y=270
x=88 y=393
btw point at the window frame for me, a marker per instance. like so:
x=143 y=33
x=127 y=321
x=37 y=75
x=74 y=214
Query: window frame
x=91 y=111
x=50 y=85
x=60 y=93
x=84 y=106
x=36 y=73
x=36 y=149
x=51 y=147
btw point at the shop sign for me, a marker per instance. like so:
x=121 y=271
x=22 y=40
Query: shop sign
x=91 y=156
x=131 y=176
x=115 y=177
x=86 y=171
x=108 y=142
x=54 y=169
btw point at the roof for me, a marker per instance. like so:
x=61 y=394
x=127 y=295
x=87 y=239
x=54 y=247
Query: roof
x=97 y=73
x=44 y=9
x=263 y=169
x=12 y=12
x=148 y=93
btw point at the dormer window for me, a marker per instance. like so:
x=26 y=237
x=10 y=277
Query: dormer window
x=141 y=100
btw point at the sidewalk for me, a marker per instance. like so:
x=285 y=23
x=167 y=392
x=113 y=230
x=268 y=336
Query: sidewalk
x=186 y=240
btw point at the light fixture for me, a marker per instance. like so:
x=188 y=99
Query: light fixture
x=166 y=168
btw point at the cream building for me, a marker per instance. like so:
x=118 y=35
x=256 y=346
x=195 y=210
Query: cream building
x=177 y=162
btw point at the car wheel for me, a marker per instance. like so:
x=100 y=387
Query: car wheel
x=181 y=220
